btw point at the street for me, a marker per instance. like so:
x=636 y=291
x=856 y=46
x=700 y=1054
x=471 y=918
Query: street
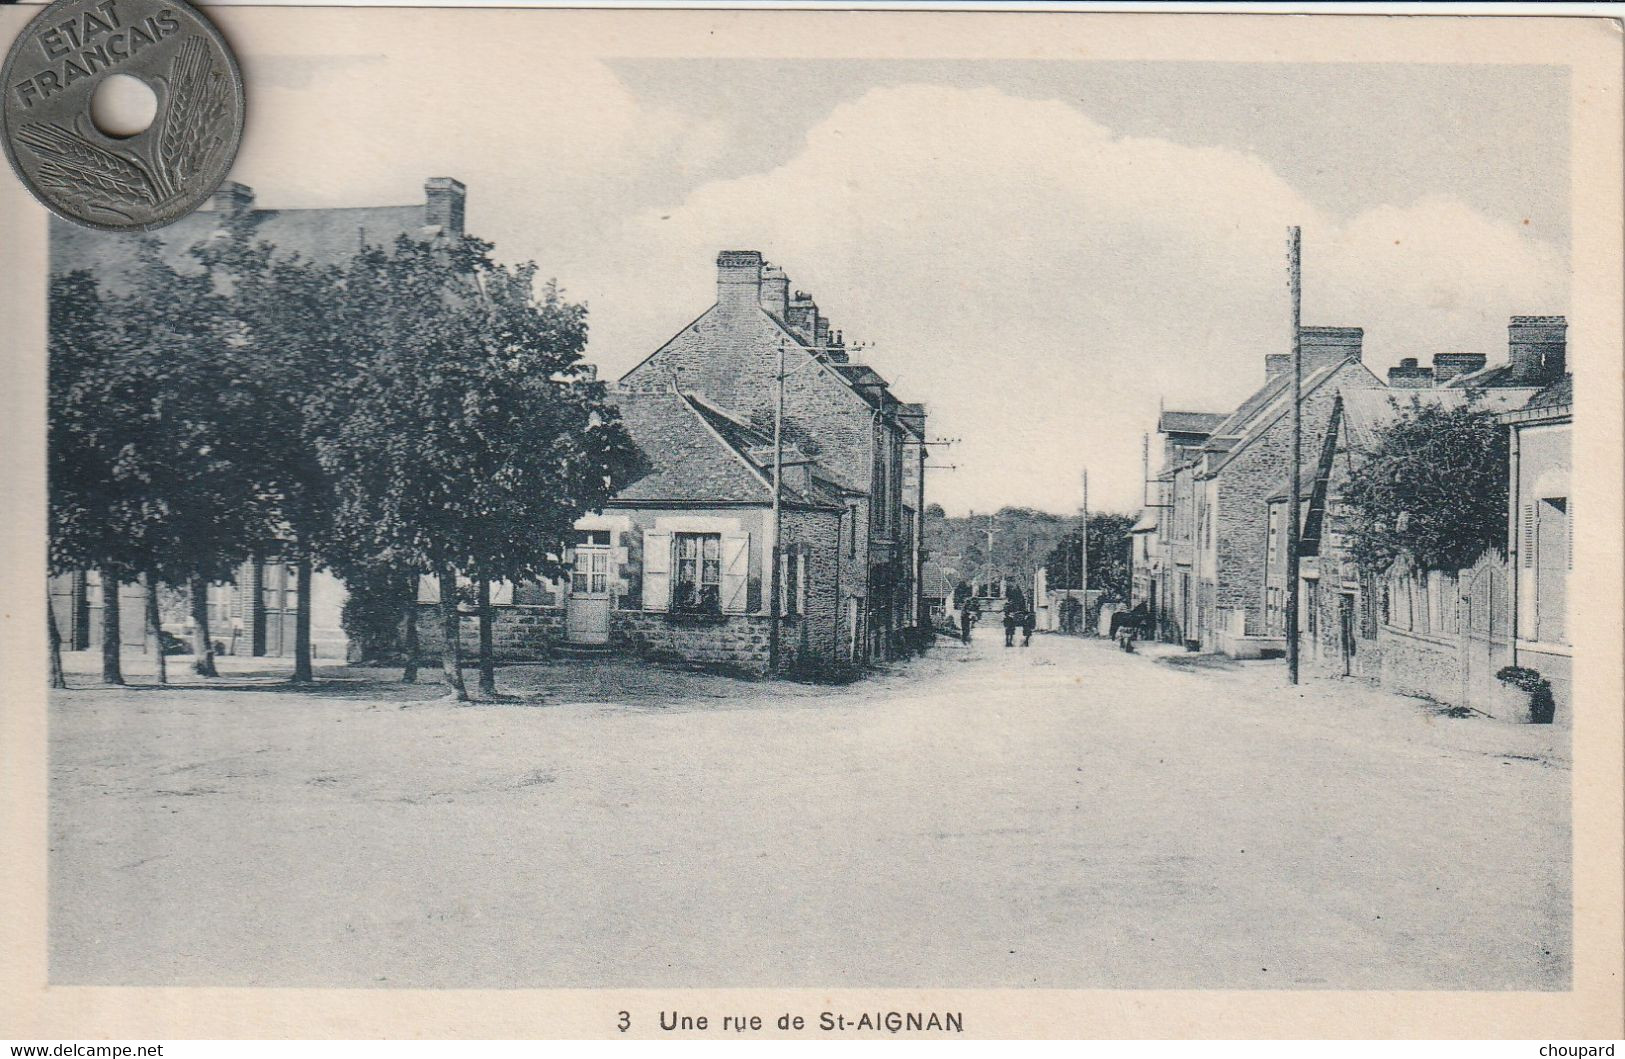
x=1060 y=816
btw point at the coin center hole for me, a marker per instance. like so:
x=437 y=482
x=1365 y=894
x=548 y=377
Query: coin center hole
x=123 y=106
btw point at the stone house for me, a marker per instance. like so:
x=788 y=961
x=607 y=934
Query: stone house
x=678 y=564
x=1164 y=563
x=1236 y=471
x=254 y=615
x=1400 y=628
x=838 y=411
x=1444 y=634
x=1540 y=537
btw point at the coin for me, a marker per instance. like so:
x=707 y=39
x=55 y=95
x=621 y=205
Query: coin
x=132 y=183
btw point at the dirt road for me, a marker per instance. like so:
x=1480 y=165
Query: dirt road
x=1060 y=816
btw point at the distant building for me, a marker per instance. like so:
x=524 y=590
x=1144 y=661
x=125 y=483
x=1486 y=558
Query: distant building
x=254 y=616
x=1164 y=563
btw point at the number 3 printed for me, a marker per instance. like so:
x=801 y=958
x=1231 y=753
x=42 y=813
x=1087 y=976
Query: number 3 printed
x=625 y=1023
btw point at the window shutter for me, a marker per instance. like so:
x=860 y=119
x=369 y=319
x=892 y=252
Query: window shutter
x=656 y=570
x=801 y=582
x=1528 y=536
x=735 y=571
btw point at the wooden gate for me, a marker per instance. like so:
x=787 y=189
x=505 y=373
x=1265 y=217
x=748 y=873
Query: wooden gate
x=1486 y=638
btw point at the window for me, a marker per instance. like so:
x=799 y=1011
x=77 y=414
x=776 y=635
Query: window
x=852 y=542
x=590 y=576
x=698 y=586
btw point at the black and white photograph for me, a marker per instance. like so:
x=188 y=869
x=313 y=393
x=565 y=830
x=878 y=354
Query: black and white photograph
x=730 y=500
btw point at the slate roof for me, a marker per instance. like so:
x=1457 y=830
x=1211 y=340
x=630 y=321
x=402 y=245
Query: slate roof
x=1366 y=413
x=1172 y=422
x=1559 y=394
x=325 y=236
x=1267 y=404
x=1489 y=377
x=695 y=453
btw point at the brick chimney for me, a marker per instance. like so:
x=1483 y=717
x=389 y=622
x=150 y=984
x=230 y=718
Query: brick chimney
x=1537 y=348
x=802 y=315
x=775 y=291
x=1410 y=375
x=232 y=199
x=1321 y=346
x=1447 y=366
x=443 y=203
x=1328 y=345
x=739 y=279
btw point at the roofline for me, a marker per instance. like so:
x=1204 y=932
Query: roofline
x=1261 y=424
x=766 y=505
x=1551 y=413
x=660 y=348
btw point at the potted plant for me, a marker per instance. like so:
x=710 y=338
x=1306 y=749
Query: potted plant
x=1524 y=696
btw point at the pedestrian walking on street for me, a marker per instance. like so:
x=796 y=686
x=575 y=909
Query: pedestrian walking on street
x=967 y=618
x=1027 y=620
x=1010 y=620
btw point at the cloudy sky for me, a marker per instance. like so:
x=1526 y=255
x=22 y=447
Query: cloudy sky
x=1039 y=251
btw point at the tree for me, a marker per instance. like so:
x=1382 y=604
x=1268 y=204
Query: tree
x=1109 y=569
x=291 y=341
x=1431 y=490
x=84 y=439
x=465 y=438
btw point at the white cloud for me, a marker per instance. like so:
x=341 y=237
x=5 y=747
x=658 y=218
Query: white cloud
x=1036 y=279
x=1039 y=282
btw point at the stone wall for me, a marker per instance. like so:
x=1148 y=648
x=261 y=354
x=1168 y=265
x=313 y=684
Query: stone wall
x=735 y=641
x=1420 y=664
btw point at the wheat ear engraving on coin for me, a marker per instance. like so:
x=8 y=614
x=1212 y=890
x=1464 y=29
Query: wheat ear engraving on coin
x=93 y=177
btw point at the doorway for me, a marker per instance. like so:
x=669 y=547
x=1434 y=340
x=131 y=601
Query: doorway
x=586 y=616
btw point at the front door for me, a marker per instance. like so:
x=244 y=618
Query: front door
x=279 y=610
x=586 y=617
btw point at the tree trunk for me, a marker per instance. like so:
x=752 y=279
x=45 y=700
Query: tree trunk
x=488 y=671
x=451 y=660
x=155 y=629
x=301 y=626
x=111 y=673
x=202 y=635
x=57 y=679
x=410 y=676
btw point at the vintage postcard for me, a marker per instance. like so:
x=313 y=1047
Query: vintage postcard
x=818 y=524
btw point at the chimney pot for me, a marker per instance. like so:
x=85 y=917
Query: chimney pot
x=1447 y=366
x=1537 y=348
x=775 y=291
x=739 y=279
x=1329 y=345
x=1409 y=375
x=444 y=199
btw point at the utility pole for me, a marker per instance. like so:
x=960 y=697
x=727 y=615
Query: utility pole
x=1083 y=571
x=778 y=522
x=990 y=564
x=1294 y=269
